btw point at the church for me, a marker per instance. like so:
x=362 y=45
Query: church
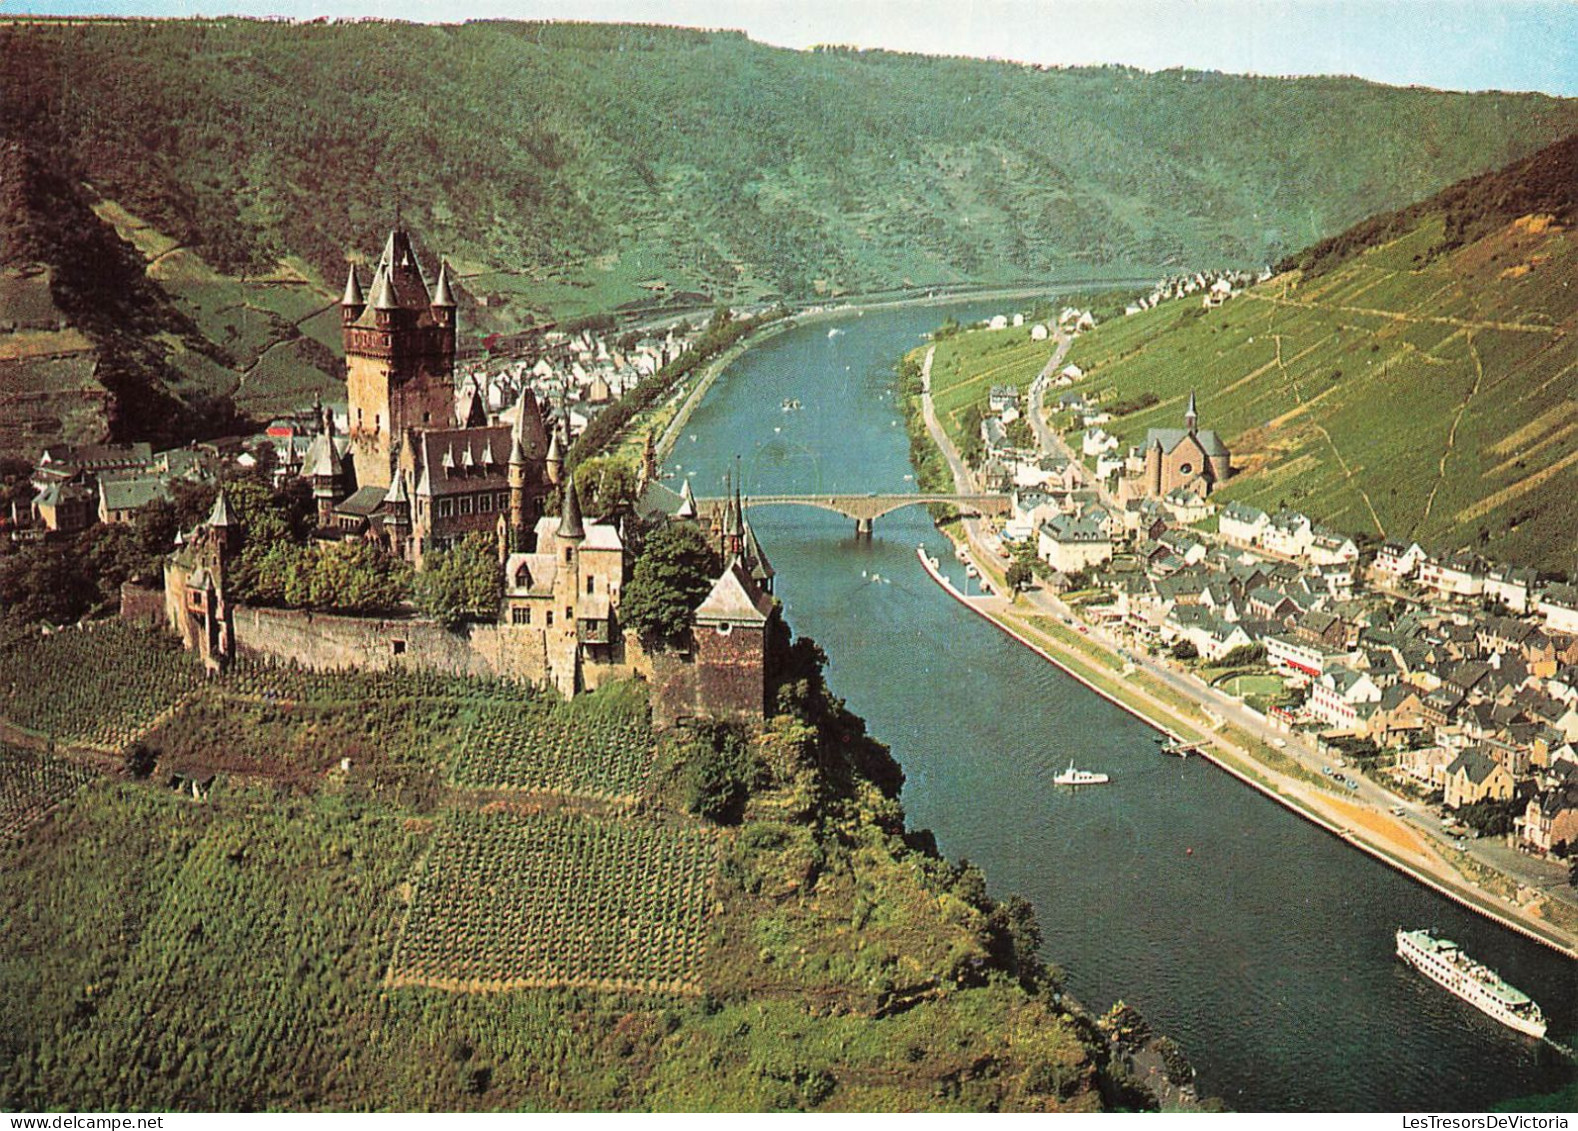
x=1188 y=459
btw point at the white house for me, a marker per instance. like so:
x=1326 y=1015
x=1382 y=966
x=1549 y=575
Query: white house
x=998 y=322
x=1288 y=533
x=1038 y=332
x=1457 y=575
x=1243 y=525
x=1400 y=561
x=1513 y=586
x=1559 y=606
x=1339 y=694
x=1097 y=442
x=1327 y=548
x=1069 y=544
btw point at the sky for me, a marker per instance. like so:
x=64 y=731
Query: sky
x=1450 y=44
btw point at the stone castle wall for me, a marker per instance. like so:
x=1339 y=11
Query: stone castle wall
x=326 y=642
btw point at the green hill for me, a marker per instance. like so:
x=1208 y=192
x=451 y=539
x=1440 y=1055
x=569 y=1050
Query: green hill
x=1413 y=376
x=591 y=165
x=567 y=168
x=416 y=892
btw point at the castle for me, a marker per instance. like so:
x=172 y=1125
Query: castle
x=1176 y=459
x=417 y=474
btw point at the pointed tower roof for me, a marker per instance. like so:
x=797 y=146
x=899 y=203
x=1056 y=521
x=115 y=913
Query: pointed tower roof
x=396 y=496
x=687 y=506
x=383 y=291
x=353 y=290
x=555 y=449
x=219 y=518
x=756 y=562
x=735 y=598
x=529 y=432
x=441 y=292
x=570 y=517
x=1191 y=417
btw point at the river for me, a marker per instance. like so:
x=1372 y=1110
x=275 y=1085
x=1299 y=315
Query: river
x=1262 y=944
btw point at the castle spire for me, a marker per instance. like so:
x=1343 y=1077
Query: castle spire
x=353 y=290
x=383 y=290
x=442 y=297
x=570 y=518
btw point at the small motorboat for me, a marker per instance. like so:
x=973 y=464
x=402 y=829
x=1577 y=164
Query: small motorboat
x=1071 y=776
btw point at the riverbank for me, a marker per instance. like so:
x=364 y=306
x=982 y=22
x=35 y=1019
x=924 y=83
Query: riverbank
x=1103 y=668
x=672 y=426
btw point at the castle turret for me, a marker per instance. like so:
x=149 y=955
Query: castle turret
x=443 y=298
x=554 y=465
x=226 y=531
x=352 y=305
x=397 y=515
x=570 y=524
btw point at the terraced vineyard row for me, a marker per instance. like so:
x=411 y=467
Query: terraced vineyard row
x=559 y=749
x=102 y=685
x=31 y=784
x=251 y=676
x=508 y=901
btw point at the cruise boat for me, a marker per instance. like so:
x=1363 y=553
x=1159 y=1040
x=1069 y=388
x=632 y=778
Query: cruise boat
x=1071 y=776
x=1443 y=962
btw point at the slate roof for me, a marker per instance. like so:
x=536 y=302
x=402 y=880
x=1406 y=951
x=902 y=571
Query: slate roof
x=731 y=600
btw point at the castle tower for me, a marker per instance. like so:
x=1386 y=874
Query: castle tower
x=326 y=470
x=1153 y=470
x=526 y=471
x=571 y=528
x=397 y=515
x=399 y=358
x=554 y=465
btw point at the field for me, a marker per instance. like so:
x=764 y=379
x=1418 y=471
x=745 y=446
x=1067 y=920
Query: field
x=415 y=891
x=575 y=901
x=31 y=783
x=598 y=745
x=1398 y=395
x=100 y=686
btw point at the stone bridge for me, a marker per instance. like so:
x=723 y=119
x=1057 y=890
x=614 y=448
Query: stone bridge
x=865 y=509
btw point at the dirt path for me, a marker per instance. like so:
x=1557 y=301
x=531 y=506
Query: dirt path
x=1347 y=472
x=1479 y=378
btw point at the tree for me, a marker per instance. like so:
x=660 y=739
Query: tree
x=606 y=484
x=138 y=760
x=718 y=774
x=1185 y=650
x=462 y=583
x=1020 y=576
x=671 y=578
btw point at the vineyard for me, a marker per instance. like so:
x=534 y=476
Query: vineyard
x=31 y=784
x=101 y=686
x=554 y=899
x=599 y=745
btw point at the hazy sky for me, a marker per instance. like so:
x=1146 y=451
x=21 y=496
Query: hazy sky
x=1453 y=44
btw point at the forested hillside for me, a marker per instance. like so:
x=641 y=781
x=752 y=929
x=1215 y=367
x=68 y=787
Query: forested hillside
x=597 y=164
x=1412 y=377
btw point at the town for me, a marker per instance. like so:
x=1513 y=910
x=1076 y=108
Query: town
x=1448 y=678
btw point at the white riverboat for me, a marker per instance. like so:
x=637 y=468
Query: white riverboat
x=1071 y=776
x=1443 y=962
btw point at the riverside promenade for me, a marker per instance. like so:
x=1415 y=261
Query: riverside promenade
x=1228 y=735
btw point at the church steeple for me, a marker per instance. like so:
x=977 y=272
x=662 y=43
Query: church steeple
x=1191 y=417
